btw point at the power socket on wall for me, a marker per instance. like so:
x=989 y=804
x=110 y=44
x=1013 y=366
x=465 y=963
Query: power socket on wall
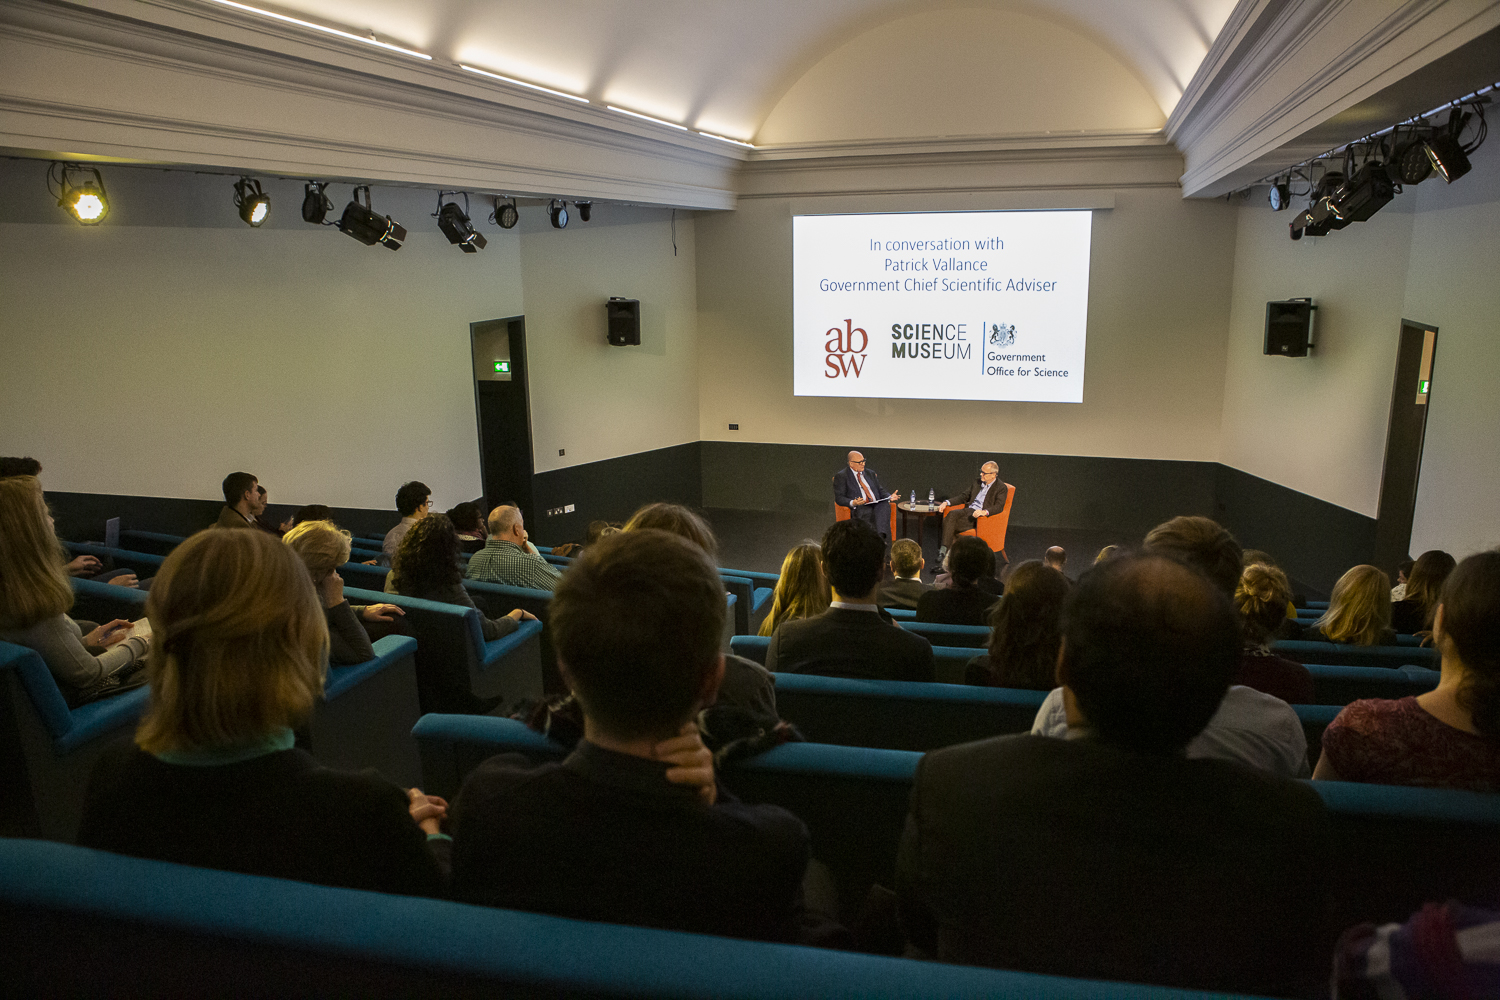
x=555 y=511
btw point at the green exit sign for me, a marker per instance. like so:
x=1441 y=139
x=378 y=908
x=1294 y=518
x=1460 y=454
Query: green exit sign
x=1422 y=385
x=502 y=367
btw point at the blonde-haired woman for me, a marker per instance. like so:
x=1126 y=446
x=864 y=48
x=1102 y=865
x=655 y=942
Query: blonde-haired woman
x=214 y=778
x=1262 y=598
x=1359 y=612
x=802 y=591
x=35 y=596
x=323 y=547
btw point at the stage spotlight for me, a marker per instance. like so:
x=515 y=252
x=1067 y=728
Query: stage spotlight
x=368 y=226
x=315 y=204
x=1409 y=163
x=557 y=211
x=1447 y=156
x=584 y=208
x=505 y=216
x=1280 y=196
x=85 y=202
x=455 y=224
x=1362 y=195
x=253 y=203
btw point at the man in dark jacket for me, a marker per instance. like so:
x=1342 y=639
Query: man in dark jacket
x=982 y=499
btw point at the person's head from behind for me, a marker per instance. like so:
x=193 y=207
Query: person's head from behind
x=680 y=521
x=1261 y=599
x=239 y=643
x=596 y=531
x=906 y=559
x=637 y=621
x=26 y=466
x=467 y=517
x=801 y=589
x=312 y=512
x=1424 y=584
x=1027 y=627
x=966 y=561
x=1056 y=557
x=321 y=545
x=853 y=556
x=1403 y=571
x=1467 y=629
x=413 y=499
x=1149 y=647
x=1252 y=556
x=1108 y=552
x=506 y=523
x=1359 y=609
x=427 y=559
x=33 y=583
x=242 y=492
x=1204 y=545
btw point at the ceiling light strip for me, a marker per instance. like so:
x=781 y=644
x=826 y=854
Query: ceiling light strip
x=658 y=121
x=725 y=138
x=522 y=83
x=323 y=28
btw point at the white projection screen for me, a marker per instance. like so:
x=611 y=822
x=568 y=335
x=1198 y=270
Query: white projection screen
x=944 y=305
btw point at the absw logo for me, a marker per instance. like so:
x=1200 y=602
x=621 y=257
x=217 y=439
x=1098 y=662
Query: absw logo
x=846 y=350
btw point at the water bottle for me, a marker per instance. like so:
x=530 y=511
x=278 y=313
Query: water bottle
x=913 y=496
x=931 y=496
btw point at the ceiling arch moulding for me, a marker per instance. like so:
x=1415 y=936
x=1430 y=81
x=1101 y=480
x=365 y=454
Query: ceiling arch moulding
x=220 y=103
x=1294 y=65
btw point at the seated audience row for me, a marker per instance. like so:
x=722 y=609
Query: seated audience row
x=426 y=567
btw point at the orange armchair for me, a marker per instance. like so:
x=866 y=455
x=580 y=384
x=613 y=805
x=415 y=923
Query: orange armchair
x=992 y=529
x=842 y=513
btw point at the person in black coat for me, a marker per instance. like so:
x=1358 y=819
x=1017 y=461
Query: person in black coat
x=963 y=602
x=860 y=490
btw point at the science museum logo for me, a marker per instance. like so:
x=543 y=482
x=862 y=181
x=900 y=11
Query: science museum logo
x=1002 y=335
x=845 y=350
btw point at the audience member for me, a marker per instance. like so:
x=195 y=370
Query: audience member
x=1359 y=612
x=312 y=512
x=905 y=587
x=1111 y=855
x=597 y=529
x=1108 y=552
x=1424 y=585
x=214 y=779
x=1450 y=736
x=426 y=567
x=988 y=581
x=244 y=502
x=87 y=567
x=1443 y=951
x=852 y=638
x=27 y=466
x=35 y=596
x=961 y=511
x=1026 y=632
x=1398 y=592
x=963 y=602
x=801 y=590
x=323 y=548
x=678 y=520
x=606 y=834
x=1057 y=558
x=508 y=558
x=413 y=502
x=468 y=521
x=1289 y=628
x=1262 y=599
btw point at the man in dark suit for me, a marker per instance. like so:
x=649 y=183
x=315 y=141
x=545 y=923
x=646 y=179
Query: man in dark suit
x=853 y=638
x=637 y=622
x=860 y=490
x=1111 y=855
x=906 y=586
x=984 y=498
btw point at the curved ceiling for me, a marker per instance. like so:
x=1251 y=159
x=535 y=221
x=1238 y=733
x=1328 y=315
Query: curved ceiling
x=723 y=66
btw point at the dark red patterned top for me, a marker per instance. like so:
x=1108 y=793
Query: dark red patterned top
x=1399 y=743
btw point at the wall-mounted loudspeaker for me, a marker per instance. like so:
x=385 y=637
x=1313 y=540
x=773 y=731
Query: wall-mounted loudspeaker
x=1289 y=327
x=624 y=321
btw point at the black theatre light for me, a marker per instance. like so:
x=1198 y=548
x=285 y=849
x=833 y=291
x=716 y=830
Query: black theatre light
x=1447 y=156
x=368 y=226
x=455 y=224
x=1280 y=196
x=1409 y=163
x=557 y=211
x=1366 y=192
x=505 y=216
x=253 y=203
x=315 y=204
x=85 y=202
x=584 y=208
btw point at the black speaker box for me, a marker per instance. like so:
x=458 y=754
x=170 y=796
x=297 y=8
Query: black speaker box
x=1289 y=327
x=624 y=321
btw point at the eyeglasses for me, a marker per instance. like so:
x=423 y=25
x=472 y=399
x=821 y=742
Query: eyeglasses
x=860 y=462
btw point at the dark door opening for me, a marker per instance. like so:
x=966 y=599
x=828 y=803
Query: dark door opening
x=502 y=406
x=1403 y=444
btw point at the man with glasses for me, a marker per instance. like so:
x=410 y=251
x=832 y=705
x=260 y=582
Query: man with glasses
x=859 y=489
x=985 y=497
x=413 y=502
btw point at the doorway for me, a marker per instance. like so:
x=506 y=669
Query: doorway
x=1410 y=397
x=502 y=407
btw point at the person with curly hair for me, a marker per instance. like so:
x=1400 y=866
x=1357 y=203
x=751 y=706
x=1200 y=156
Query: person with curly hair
x=1359 y=612
x=1026 y=630
x=426 y=567
x=1262 y=599
x=323 y=547
x=801 y=590
x=1450 y=736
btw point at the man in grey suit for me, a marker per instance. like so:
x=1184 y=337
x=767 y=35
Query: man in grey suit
x=984 y=498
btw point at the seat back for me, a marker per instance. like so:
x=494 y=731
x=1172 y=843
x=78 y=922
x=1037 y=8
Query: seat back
x=449 y=646
x=991 y=530
x=1339 y=685
x=154 y=542
x=1355 y=656
x=143 y=564
x=949 y=635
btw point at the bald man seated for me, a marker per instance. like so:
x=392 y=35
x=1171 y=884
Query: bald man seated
x=507 y=557
x=859 y=489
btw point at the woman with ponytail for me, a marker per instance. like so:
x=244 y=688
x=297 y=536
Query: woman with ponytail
x=1262 y=598
x=1450 y=736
